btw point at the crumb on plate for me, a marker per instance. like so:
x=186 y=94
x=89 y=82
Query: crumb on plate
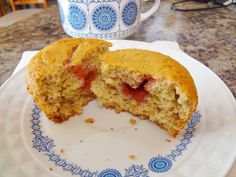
x=50 y=168
x=135 y=129
x=132 y=121
x=62 y=150
x=168 y=140
x=132 y=157
x=89 y=120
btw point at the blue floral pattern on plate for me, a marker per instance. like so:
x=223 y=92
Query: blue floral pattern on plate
x=77 y=18
x=104 y=17
x=136 y=171
x=40 y=142
x=159 y=164
x=129 y=13
x=109 y=173
x=187 y=136
x=46 y=145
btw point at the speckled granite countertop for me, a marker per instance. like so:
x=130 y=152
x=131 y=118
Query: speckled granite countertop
x=208 y=36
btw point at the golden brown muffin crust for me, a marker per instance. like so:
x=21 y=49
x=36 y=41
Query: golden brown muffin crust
x=56 y=54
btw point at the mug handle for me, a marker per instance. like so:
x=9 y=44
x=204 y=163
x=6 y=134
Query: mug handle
x=145 y=15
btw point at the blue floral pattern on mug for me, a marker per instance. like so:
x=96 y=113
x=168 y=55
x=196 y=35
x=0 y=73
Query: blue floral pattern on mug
x=129 y=13
x=77 y=18
x=104 y=17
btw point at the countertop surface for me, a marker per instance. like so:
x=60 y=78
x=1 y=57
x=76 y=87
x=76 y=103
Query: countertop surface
x=208 y=36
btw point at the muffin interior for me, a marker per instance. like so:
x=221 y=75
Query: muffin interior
x=62 y=87
x=157 y=99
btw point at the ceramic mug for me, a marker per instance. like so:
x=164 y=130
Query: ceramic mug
x=105 y=19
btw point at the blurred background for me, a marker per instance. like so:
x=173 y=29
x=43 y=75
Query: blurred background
x=12 y=11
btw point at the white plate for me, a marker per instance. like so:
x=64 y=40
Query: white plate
x=31 y=145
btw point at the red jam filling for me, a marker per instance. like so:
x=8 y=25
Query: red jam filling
x=139 y=93
x=80 y=72
x=86 y=76
x=88 y=80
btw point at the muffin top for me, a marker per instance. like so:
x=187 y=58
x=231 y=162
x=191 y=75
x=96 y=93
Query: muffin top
x=64 y=51
x=154 y=64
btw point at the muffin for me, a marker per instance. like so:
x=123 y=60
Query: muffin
x=59 y=76
x=147 y=84
x=66 y=75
